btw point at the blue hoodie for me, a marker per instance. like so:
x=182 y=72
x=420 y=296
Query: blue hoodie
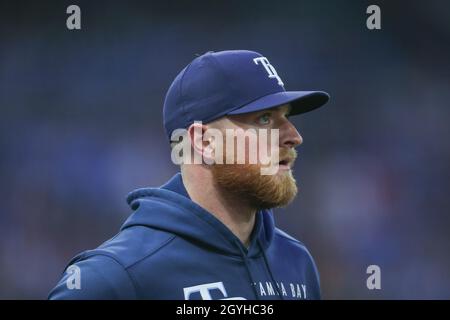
x=171 y=248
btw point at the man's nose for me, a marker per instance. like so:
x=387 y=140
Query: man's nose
x=289 y=136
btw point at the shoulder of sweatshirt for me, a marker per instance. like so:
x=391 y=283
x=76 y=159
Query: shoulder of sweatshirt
x=134 y=244
x=283 y=236
x=293 y=247
x=104 y=271
x=297 y=252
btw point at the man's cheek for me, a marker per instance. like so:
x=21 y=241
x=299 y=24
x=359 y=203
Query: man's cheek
x=269 y=170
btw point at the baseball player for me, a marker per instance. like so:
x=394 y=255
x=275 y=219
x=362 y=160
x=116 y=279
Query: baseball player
x=209 y=232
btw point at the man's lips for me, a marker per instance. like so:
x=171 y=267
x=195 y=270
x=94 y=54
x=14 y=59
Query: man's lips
x=286 y=163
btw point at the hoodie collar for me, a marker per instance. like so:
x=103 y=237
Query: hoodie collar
x=170 y=208
x=175 y=184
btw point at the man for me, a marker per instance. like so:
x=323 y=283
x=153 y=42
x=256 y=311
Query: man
x=209 y=233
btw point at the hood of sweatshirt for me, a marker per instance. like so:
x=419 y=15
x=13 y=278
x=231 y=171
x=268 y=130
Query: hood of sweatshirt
x=182 y=217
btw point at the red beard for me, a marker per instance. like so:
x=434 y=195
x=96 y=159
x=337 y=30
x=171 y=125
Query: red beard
x=261 y=191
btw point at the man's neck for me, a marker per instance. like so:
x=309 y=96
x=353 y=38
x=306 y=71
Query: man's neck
x=230 y=209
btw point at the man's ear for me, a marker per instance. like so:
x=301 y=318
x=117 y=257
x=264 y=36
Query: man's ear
x=213 y=142
x=196 y=132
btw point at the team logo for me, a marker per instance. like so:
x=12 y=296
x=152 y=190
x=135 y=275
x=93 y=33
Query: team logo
x=272 y=73
x=204 y=290
x=290 y=290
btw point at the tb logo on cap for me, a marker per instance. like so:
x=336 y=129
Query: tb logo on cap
x=269 y=68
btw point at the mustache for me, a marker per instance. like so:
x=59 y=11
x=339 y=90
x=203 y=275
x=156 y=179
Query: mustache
x=288 y=154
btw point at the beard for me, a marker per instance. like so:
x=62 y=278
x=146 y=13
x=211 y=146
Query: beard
x=261 y=191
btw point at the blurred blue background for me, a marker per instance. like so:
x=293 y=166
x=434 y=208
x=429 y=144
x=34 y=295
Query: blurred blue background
x=81 y=126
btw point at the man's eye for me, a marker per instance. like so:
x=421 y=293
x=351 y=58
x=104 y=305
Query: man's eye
x=264 y=119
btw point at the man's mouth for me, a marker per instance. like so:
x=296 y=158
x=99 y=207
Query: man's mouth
x=285 y=164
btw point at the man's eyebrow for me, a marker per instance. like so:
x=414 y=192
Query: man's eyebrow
x=280 y=109
x=261 y=112
x=274 y=109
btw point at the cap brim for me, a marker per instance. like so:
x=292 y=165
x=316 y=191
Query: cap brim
x=301 y=102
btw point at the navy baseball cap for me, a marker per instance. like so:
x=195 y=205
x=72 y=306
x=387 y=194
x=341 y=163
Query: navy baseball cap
x=216 y=84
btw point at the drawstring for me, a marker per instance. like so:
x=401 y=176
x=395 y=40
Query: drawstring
x=270 y=270
x=244 y=257
x=266 y=261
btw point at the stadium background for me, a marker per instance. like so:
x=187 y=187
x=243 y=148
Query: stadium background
x=80 y=127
